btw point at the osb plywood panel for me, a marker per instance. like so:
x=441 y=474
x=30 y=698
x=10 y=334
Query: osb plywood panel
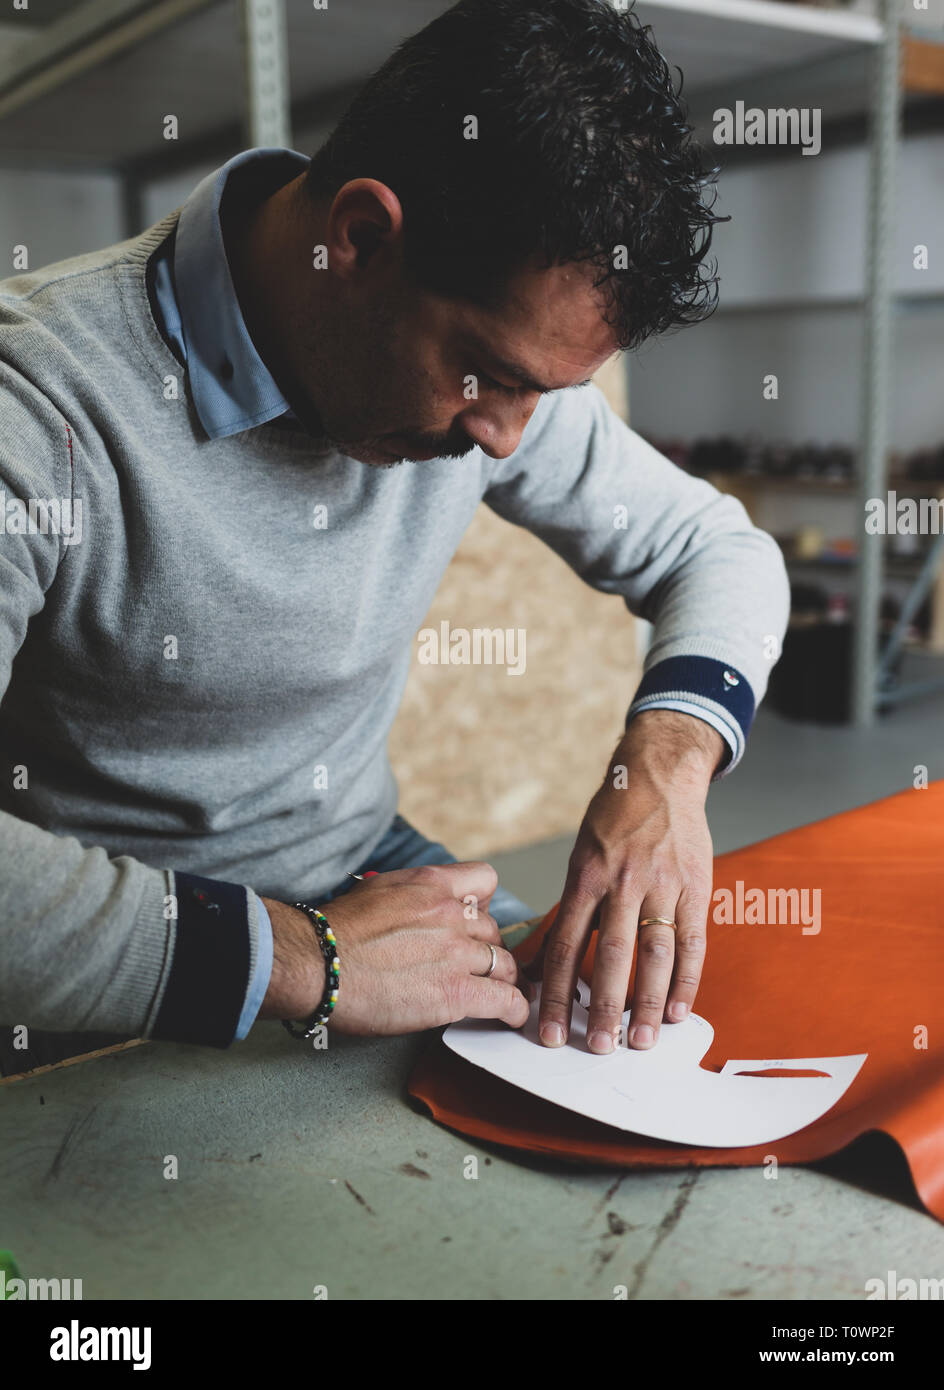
x=487 y=760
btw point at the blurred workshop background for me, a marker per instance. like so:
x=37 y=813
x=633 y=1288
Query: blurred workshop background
x=823 y=285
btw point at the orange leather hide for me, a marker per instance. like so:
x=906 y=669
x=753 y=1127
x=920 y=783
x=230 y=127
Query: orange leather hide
x=871 y=980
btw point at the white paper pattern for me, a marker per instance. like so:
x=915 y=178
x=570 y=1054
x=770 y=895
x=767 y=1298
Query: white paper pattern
x=663 y=1092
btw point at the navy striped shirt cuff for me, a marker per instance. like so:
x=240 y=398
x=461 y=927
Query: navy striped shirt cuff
x=209 y=972
x=708 y=689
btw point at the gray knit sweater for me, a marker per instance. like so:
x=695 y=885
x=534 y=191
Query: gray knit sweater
x=199 y=681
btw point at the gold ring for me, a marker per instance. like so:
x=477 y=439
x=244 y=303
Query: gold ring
x=657 y=922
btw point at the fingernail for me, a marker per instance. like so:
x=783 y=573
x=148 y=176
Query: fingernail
x=599 y=1041
x=642 y=1036
x=678 y=1010
x=552 y=1035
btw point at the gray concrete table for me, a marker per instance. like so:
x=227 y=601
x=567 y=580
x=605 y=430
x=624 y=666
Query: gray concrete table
x=299 y=1168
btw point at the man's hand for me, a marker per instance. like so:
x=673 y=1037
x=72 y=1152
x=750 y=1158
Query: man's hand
x=413 y=947
x=643 y=850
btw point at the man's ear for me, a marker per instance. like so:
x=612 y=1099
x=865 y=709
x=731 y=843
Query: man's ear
x=365 y=221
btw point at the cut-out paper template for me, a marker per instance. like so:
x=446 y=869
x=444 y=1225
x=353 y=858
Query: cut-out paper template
x=662 y=1092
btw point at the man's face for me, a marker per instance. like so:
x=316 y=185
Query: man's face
x=411 y=375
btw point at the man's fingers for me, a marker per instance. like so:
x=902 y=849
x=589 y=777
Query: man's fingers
x=655 y=959
x=477 y=957
x=483 y=927
x=691 y=940
x=473 y=881
x=491 y=998
x=612 y=964
x=506 y=967
x=563 y=952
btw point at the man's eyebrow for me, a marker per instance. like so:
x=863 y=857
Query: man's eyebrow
x=522 y=377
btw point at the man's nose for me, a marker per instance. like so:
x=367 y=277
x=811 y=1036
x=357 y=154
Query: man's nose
x=497 y=427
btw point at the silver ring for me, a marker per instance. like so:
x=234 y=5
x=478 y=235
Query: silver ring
x=485 y=974
x=357 y=876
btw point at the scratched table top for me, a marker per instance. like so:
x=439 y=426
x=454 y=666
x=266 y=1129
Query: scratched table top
x=298 y=1169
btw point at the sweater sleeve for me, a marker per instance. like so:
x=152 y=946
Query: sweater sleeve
x=88 y=943
x=679 y=553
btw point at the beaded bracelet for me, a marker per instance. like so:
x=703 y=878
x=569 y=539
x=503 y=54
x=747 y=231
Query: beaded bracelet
x=332 y=972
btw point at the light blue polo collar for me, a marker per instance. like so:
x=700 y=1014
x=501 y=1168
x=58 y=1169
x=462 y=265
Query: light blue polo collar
x=231 y=386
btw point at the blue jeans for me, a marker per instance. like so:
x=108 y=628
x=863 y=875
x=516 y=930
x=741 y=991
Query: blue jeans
x=403 y=847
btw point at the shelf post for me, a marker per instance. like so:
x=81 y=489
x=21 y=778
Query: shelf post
x=873 y=469
x=265 y=57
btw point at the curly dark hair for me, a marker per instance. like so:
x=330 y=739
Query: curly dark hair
x=583 y=153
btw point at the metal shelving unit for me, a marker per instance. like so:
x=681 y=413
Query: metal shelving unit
x=848 y=64
x=873 y=461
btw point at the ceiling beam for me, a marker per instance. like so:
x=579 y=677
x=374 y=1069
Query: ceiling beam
x=83 y=39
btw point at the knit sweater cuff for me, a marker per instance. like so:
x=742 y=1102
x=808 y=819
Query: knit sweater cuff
x=706 y=689
x=212 y=963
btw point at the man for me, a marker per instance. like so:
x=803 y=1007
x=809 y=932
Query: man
x=199 y=688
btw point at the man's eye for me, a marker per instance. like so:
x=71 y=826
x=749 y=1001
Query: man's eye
x=496 y=385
